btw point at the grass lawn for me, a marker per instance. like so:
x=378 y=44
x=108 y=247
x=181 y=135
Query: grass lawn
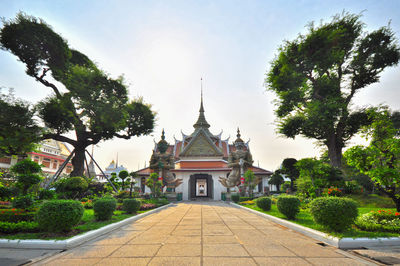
x=87 y=223
x=304 y=218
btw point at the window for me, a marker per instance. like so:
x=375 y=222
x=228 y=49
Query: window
x=36 y=159
x=46 y=162
x=55 y=164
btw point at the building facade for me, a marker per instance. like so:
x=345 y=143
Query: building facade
x=202 y=164
x=51 y=154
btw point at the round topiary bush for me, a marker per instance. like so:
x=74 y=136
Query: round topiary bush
x=264 y=203
x=59 y=215
x=76 y=184
x=104 y=208
x=336 y=214
x=131 y=205
x=235 y=198
x=288 y=206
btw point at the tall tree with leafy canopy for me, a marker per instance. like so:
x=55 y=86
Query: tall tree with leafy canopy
x=84 y=99
x=381 y=159
x=18 y=130
x=317 y=75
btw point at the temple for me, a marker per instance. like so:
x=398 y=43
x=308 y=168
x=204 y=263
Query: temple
x=202 y=165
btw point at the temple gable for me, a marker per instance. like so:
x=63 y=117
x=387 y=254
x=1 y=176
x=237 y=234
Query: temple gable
x=201 y=146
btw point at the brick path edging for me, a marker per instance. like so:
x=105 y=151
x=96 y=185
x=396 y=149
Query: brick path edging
x=342 y=243
x=76 y=240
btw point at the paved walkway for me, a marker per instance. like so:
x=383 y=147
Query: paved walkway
x=206 y=233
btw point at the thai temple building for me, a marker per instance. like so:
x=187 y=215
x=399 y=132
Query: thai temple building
x=202 y=165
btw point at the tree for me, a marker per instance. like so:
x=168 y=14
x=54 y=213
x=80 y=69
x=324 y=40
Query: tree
x=381 y=159
x=317 y=75
x=250 y=181
x=84 y=99
x=276 y=179
x=123 y=175
x=19 y=130
x=27 y=174
x=289 y=169
x=154 y=184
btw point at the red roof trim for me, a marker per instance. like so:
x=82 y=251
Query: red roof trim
x=48 y=156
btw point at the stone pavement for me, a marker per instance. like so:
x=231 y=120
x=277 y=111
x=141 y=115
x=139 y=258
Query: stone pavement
x=203 y=233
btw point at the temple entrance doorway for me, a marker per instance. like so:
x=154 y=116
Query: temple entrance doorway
x=200 y=186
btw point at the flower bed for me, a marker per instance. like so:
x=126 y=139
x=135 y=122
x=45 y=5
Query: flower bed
x=380 y=220
x=304 y=218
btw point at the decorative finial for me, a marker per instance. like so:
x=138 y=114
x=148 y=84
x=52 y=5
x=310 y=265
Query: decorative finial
x=201 y=121
x=163 y=134
x=238 y=133
x=201 y=95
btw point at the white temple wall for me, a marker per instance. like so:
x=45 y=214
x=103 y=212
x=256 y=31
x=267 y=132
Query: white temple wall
x=217 y=186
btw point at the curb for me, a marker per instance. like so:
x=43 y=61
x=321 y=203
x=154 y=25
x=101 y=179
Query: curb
x=73 y=241
x=342 y=243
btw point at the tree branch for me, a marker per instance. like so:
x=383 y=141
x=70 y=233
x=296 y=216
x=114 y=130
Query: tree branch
x=122 y=136
x=59 y=138
x=46 y=83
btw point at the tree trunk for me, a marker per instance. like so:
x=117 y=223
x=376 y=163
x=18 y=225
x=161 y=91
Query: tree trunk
x=78 y=162
x=335 y=152
x=397 y=202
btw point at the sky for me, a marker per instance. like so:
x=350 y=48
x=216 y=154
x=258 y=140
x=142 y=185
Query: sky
x=163 y=48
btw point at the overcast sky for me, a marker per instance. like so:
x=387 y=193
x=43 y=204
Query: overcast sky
x=163 y=48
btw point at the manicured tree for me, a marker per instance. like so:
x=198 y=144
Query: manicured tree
x=27 y=174
x=250 y=181
x=276 y=179
x=381 y=159
x=132 y=175
x=154 y=184
x=19 y=130
x=90 y=103
x=290 y=170
x=123 y=175
x=317 y=75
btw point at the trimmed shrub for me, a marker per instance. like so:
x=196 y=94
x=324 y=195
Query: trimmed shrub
x=131 y=205
x=104 y=208
x=264 y=203
x=334 y=213
x=75 y=185
x=16 y=215
x=46 y=194
x=59 y=215
x=9 y=228
x=23 y=202
x=235 y=198
x=288 y=206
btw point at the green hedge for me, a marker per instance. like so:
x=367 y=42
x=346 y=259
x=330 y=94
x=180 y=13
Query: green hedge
x=104 y=208
x=264 y=203
x=245 y=199
x=16 y=215
x=9 y=228
x=59 y=215
x=131 y=205
x=334 y=213
x=288 y=206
